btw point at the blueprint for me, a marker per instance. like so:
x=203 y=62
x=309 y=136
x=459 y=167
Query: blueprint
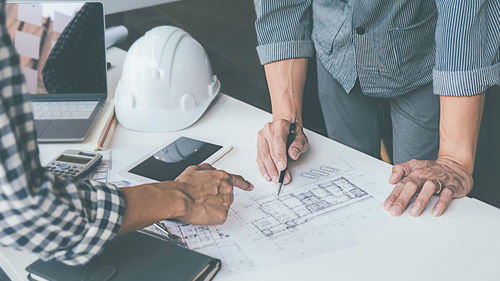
x=318 y=213
x=212 y=241
x=102 y=173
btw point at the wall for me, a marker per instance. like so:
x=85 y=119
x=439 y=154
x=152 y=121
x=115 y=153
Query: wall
x=115 y=6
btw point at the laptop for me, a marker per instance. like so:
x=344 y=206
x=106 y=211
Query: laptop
x=62 y=52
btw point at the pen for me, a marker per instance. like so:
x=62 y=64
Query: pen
x=163 y=228
x=289 y=141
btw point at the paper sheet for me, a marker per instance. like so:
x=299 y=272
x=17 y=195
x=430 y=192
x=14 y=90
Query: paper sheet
x=30 y=13
x=102 y=173
x=326 y=204
x=27 y=44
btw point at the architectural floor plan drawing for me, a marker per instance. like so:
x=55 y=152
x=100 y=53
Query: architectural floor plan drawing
x=317 y=213
x=289 y=211
x=321 y=172
x=102 y=172
x=212 y=241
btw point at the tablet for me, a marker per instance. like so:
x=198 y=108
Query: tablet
x=170 y=160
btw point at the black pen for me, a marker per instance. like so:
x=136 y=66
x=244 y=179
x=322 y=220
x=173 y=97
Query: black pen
x=289 y=140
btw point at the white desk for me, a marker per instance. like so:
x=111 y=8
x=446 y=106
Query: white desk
x=464 y=244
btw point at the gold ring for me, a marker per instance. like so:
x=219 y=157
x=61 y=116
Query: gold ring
x=439 y=186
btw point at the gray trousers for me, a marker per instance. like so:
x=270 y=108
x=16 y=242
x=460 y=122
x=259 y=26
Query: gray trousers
x=357 y=120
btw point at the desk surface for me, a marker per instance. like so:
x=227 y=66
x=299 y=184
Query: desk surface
x=464 y=244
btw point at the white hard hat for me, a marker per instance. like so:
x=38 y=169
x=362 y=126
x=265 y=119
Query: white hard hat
x=167 y=82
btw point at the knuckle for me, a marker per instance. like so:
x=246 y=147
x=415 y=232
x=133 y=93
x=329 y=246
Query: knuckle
x=191 y=168
x=258 y=159
x=222 y=175
x=418 y=204
x=205 y=166
x=396 y=168
x=267 y=128
x=401 y=203
x=260 y=155
x=260 y=134
x=223 y=216
x=214 y=190
x=263 y=155
x=392 y=197
x=303 y=139
x=447 y=192
x=410 y=184
x=227 y=189
x=274 y=154
x=278 y=140
x=441 y=205
x=298 y=145
x=279 y=122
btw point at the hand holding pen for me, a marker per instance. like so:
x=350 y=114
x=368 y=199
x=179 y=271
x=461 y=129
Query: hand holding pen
x=272 y=156
x=289 y=140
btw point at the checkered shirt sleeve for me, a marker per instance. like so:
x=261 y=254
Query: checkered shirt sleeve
x=57 y=218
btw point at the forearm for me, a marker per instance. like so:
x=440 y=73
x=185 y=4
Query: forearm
x=459 y=128
x=286 y=81
x=149 y=203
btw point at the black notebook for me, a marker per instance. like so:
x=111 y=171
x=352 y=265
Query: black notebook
x=133 y=256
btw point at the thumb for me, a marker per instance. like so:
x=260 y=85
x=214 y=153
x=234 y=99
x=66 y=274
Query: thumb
x=298 y=147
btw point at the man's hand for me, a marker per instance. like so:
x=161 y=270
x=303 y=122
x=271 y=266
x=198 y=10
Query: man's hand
x=271 y=149
x=208 y=194
x=420 y=176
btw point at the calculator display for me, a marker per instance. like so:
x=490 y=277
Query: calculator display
x=74 y=159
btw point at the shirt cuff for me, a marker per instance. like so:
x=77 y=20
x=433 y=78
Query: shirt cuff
x=104 y=208
x=466 y=83
x=285 y=50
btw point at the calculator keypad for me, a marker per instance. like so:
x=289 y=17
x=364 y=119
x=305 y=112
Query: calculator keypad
x=65 y=169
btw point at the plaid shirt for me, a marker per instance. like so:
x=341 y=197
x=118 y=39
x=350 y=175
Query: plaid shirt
x=57 y=218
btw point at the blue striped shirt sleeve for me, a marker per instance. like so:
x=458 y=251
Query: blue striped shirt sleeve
x=280 y=39
x=467 y=47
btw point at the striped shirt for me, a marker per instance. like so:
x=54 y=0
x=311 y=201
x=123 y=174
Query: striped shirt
x=57 y=218
x=392 y=47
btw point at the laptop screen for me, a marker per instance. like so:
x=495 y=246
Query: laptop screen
x=60 y=45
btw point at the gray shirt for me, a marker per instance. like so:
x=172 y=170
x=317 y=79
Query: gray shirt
x=393 y=47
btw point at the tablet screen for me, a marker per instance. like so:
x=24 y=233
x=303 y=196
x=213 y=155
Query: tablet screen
x=171 y=161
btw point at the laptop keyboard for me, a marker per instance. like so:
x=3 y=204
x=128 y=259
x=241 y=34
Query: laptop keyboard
x=63 y=110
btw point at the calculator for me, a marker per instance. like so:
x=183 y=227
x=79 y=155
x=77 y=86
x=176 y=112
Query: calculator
x=74 y=163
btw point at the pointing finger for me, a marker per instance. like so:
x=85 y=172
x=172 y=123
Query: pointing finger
x=278 y=150
x=264 y=155
x=240 y=182
x=262 y=169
